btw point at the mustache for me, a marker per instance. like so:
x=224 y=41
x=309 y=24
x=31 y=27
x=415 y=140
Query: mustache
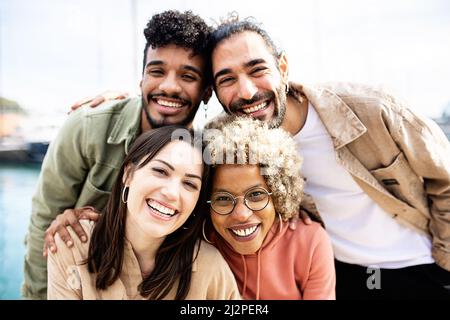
x=238 y=104
x=151 y=96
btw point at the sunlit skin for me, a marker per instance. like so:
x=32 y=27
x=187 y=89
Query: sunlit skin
x=172 y=86
x=237 y=180
x=164 y=184
x=250 y=80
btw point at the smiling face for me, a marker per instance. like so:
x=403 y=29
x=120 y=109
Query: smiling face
x=244 y=229
x=164 y=192
x=172 y=85
x=248 y=79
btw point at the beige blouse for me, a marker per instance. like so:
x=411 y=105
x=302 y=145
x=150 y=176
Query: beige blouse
x=69 y=278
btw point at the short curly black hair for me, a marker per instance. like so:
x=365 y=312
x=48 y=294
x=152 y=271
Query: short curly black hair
x=183 y=29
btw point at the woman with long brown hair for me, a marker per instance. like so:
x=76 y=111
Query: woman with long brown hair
x=146 y=244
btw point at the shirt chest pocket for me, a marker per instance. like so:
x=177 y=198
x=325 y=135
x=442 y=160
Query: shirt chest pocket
x=97 y=187
x=402 y=182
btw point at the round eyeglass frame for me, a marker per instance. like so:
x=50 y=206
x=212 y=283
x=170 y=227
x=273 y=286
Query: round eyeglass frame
x=245 y=200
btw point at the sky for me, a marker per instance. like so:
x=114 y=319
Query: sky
x=53 y=52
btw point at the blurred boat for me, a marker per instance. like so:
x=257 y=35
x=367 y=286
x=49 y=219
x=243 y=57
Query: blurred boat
x=30 y=141
x=23 y=152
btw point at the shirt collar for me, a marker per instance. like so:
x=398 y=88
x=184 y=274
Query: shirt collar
x=340 y=121
x=128 y=125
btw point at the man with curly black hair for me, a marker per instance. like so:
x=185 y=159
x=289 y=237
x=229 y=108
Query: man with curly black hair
x=84 y=159
x=175 y=36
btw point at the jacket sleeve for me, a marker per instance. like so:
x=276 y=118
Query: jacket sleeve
x=64 y=280
x=427 y=151
x=62 y=175
x=321 y=282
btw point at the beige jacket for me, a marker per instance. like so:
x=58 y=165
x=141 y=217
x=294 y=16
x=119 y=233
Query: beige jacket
x=401 y=160
x=69 y=278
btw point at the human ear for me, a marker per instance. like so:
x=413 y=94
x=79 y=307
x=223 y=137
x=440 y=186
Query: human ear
x=283 y=66
x=127 y=174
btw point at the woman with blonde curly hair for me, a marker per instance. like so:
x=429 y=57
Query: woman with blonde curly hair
x=255 y=184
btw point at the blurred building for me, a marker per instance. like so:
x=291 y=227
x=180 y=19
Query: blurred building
x=22 y=138
x=11 y=116
x=444 y=121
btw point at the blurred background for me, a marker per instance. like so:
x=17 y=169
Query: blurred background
x=53 y=53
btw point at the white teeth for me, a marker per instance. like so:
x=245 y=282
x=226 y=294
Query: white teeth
x=255 y=108
x=169 y=103
x=160 y=208
x=244 y=232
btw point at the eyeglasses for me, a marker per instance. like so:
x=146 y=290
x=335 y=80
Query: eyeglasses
x=255 y=199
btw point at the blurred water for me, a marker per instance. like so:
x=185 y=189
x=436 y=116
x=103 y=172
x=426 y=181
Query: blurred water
x=17 y=185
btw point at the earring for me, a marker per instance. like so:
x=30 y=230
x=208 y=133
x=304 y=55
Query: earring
x=125 y=194
x=286 y=88
x=204 y=234
x=281 y=222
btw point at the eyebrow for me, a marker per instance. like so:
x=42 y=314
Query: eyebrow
x=193 y=69
x=254 y=62
x=251 y=63
x=186 y=67
x=221 y=73
x=190 y=175
x=154 y=63
x=223 y=190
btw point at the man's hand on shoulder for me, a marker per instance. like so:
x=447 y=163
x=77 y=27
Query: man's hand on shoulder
x=94 y=101
x=70 y=217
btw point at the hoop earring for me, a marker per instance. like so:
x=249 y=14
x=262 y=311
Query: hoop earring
x=281 y=223
x=124 y=197
x=204 y=234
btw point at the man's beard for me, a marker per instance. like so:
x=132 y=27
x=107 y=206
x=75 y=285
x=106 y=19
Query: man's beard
x=280 y=108
x=162 y=123
x=279 y=105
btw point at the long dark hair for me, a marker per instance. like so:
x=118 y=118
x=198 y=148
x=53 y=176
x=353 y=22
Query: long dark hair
x=176 y=254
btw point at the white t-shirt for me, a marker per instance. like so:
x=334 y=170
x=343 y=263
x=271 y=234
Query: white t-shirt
x=361 y=231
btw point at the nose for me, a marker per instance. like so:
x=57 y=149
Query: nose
x=240 y=211
x=247 y=88
x=171 y=190
x=169 y=84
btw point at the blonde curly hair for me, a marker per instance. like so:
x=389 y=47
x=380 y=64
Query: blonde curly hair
x=239 y=140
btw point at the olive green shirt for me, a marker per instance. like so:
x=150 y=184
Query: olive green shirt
x=79 y=169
